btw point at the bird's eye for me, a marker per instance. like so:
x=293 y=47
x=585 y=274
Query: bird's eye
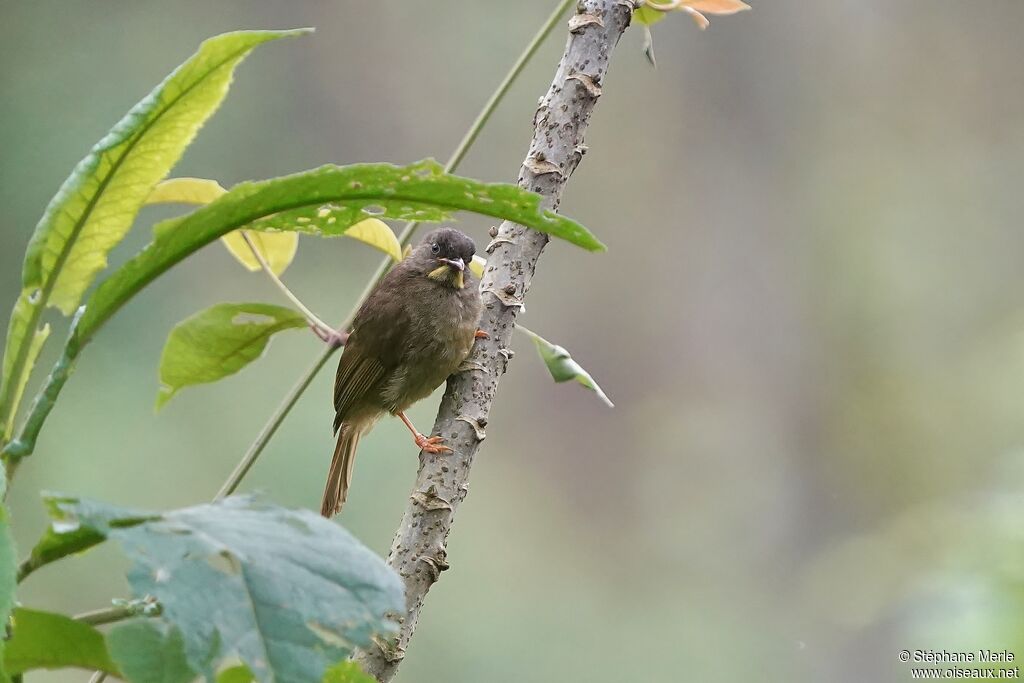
x=435 y=248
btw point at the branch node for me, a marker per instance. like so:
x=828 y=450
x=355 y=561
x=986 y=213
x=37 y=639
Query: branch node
x=436 y=565
x=478 y=427
x=588 y=83
x=539 y=166
x=429 y=500
x=581 y=21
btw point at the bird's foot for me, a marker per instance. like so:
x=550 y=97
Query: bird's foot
x=431 y=444
x=480 y=334
x=333 y=338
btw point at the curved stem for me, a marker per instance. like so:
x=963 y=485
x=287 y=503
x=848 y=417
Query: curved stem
x=404 y=238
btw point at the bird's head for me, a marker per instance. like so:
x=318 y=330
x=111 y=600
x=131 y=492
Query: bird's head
x=444 y=256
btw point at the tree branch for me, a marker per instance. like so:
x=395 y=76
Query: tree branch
x=418 y=552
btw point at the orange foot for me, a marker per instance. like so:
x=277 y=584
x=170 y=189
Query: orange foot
x=433 y=444
x=480 y=334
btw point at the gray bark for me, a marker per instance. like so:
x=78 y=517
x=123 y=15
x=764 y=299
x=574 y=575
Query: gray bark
x=418 y=552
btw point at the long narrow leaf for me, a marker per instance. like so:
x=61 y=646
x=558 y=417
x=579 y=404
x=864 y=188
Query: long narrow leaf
x=325 y=201
x=96 y=205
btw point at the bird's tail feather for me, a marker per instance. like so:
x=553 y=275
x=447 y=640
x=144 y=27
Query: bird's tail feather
x=339 y=477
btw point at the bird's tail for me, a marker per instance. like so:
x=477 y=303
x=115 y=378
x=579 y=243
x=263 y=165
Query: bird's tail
x=339 y=477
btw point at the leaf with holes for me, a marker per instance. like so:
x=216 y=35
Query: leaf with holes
x=325 y=201
x=218 y=342
x=277 y=248
x=287 y=592
x=44 y=640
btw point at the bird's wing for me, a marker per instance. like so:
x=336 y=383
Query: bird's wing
x=380 y=335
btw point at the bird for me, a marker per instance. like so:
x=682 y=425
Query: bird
x=412 y=332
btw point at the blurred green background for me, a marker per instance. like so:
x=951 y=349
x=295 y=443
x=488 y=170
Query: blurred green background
x=810 y=317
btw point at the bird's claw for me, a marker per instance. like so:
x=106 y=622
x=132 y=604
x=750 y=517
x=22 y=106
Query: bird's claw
x=480 y=334
x=432 y=444
x=333 y=338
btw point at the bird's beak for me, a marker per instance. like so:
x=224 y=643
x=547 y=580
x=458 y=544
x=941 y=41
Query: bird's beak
x=458 y=264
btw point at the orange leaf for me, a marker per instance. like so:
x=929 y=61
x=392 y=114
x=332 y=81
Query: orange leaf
x=716 y=6
x=698 y=18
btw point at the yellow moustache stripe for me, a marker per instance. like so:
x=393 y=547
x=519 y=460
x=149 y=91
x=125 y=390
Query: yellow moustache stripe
x=447 y=273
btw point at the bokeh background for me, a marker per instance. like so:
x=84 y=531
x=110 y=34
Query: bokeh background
x=810 y=317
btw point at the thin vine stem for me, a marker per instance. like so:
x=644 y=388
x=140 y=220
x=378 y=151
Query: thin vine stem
x=312 y=317
x=404 y=238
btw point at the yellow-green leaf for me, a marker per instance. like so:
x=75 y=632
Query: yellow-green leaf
x=477 y=265
x=185 y=191
x=378 y=235
x=96 y=205
x=98 y=202
x=33 y=354
x=277 y=248
x=218 y=342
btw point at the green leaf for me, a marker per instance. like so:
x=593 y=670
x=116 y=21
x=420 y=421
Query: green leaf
x=347 y=672
x=34 y=348
x=96 y=205
x=378 y=235
x=65 y=536
x=287 y=592
x=325 y=201
x=218 y=342
x=8 y=568
x=44 y=640
x=235 y=674
x=647 y=15
x=562 y=366
x=277 y=248
x=148 y=651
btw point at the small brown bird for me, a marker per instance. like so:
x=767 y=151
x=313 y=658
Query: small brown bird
x=412 y=332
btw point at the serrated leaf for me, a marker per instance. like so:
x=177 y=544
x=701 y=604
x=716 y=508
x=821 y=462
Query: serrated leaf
x=44 y=640
x=287 y=592
x=218 y=342
x=326 y=201
x=563 y=368
x=96 y=205
x=148 y=651
x=277 y=248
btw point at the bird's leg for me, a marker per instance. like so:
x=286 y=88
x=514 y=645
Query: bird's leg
x=480 y=334
x=433 y=444
x=333 y=338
